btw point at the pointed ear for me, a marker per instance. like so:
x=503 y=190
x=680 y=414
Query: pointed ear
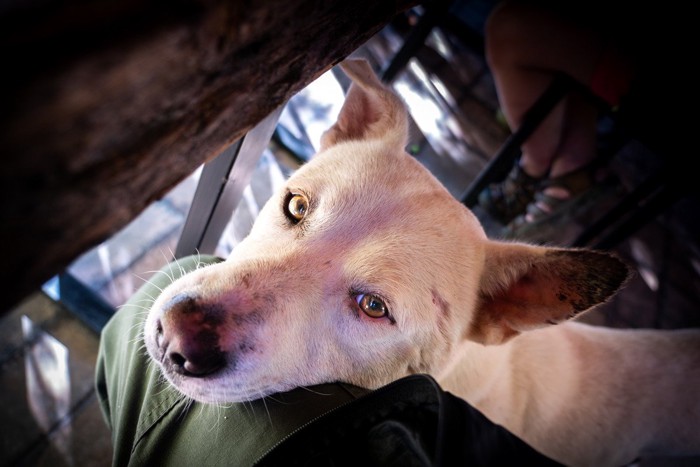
x=526 y=287
x=371 y=110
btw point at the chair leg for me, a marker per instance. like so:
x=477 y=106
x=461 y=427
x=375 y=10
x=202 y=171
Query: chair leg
x=659 y=201
x=644 y=190
x=433 y=15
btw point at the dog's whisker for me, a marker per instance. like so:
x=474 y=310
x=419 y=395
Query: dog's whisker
x=143 y=279
x=215 y=420
x=144 y=309
x=147 y=301
x=199 y=264
x=313 y=391
x=152 y=284
x=168 y=260
x=186 y=408
x=248 y=406
x=172 y=254
x=169 y=274
x=176 y=263
x=267 y=410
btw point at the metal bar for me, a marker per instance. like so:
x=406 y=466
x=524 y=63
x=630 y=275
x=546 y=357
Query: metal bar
x=615 y=214
x=661 y=200
x=434 y=13
x=220 y=189
x=85 y=303
x=209 y=189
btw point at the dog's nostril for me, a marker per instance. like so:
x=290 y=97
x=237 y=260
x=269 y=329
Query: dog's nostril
x=178 y=360
x=199 y=365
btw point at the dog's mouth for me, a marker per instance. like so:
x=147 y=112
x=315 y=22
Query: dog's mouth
x=196 y=375
x=222 y=384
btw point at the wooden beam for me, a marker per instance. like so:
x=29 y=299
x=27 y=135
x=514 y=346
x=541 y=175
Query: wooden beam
x=106 y=105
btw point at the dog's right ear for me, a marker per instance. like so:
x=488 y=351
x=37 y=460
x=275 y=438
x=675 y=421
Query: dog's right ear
x=526 y=287
x=371 y=110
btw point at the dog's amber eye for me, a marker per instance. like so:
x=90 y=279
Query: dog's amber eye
x=372 y=306
x=297 y=206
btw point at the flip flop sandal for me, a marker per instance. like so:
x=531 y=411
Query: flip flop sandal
x=545 y=208
x=505 y=200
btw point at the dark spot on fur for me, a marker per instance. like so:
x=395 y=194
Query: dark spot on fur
x=253 y=317
x=213 y=315
x=562 y=297
x=210 y=314
x=444 y=312
x=246 y=346
x=207 y=338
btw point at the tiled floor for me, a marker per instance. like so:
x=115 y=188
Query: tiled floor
x=52 y=418
x=48 y=408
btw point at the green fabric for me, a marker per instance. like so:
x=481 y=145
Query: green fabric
x=152 y=424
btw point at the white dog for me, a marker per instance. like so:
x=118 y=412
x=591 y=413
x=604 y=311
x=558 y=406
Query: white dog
x=365 y=269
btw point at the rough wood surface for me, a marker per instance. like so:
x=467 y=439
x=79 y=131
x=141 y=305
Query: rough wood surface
x=104 y=106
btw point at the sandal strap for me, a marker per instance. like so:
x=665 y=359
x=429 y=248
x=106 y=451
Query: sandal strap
x=507 y=199
x=575 y=182
x=543 y=199
x=521 y=180
x=518 y=188
x=534 y=213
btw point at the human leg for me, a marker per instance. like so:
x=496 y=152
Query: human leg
x=526 y=47
x=571 y=171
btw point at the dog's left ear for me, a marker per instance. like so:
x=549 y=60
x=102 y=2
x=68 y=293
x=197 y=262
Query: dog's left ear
x=370 y=111
x=525 y=287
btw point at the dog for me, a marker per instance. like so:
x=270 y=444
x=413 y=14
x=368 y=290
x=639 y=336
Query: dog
x=364 y=269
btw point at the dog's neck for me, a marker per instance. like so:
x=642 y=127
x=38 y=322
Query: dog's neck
x=500 y=383
x=485 y=369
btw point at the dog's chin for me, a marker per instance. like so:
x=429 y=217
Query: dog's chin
x=214 y=390
x=224 y=387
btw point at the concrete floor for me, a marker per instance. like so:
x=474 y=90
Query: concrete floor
x=49 y=413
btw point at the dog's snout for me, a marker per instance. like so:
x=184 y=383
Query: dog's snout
x=187 y=336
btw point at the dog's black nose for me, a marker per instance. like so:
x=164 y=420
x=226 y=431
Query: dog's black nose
x=188 y=337
x=196 y=364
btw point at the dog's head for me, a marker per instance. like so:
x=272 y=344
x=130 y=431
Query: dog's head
x=363 y=269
